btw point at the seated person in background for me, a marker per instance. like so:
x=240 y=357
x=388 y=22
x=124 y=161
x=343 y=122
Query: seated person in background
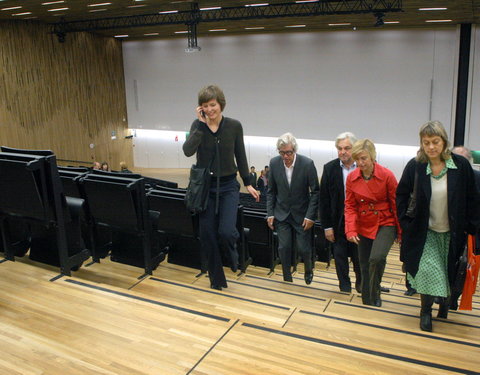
x=105 y=167
x=262 y=183
x=124 y=168
x=96 y=165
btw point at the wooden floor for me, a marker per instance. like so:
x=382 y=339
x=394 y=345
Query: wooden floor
x=107 y=319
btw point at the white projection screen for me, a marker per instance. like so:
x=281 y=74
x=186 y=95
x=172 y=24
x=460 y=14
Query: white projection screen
x=380 y=84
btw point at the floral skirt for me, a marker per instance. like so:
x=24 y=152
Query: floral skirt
x=432 y=275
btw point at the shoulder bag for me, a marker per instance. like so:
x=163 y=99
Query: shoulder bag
x=412 y=201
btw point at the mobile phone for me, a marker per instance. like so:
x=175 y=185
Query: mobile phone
x=202 y=113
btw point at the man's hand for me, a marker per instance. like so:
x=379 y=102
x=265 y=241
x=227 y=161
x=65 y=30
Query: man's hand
x=329 y=235
x=270 y=222
x=307 y=224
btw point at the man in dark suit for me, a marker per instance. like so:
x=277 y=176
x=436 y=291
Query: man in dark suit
x=292 y=203
x=332 y=198
x=253 y=177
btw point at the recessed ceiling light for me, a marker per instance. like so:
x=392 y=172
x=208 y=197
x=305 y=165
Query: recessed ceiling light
x=257 y=5
x=22 y=14
x=181 y=32
x=211 y=8
x=98 y=10
x=98 y=4
x=214 y=30
x=56 y=9
x=391 y=22
x=11 y=8
x=150 y=34
x=54 y=2
x=121 y=36
x=438 y=21
x=296 y=26
x=339 y=24
x=432 y=8
x=168 y=11
x=137 y=6
x=306 y=1
x=255 y=28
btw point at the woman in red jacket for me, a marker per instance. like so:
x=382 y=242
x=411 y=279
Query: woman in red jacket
x=371 y=217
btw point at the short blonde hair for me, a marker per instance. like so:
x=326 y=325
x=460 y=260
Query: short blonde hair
x=364 y=145
x=287 y=139
x=433 y=129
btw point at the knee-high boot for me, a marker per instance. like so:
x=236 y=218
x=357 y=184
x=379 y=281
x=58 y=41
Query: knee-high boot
x=443 y=308
x=426 y=312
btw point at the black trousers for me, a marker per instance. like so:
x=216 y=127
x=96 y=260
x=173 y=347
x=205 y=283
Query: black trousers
x=342 y=249
x=285 y=231
x=220 y=230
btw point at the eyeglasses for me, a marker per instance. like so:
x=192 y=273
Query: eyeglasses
x=286 y=153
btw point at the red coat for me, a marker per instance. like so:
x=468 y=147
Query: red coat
x=370 y=204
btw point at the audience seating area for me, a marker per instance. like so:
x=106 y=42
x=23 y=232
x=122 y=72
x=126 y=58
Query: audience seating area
x=62 y=216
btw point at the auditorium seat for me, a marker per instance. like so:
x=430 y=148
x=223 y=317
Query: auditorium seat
x=119 y=203
x=31 y=193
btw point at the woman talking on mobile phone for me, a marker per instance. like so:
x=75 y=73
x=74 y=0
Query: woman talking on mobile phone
x=218 y=143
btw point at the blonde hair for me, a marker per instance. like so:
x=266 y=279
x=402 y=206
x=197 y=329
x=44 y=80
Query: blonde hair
x=364 y=145
x=433 y=129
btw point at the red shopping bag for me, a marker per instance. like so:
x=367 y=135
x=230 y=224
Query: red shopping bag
x=471 y=278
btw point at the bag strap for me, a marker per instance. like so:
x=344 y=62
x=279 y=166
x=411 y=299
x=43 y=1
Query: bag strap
x=217 y=156
x=415 y=182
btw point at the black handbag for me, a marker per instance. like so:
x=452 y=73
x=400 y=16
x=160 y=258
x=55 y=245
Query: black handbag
x=196 y=197
x=459 y=280
x=412 y=201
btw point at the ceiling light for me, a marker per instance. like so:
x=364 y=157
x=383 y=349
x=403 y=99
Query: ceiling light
x=340 y=24
x=438 y=21
x=257 y=5
x=214 y=30
x=181 y=32
x=432 y=8
x=306 y=1
x=97 y=10
x=296 y=26
x=56 y=9
x=137 y=6
x=11 y=8
x=168 y=11
x=211 y=8
x=255 y=28
x=150 y=34
x=21 y=14
x=54 y=2
x=391 y=22
x=121 y=36
x=98 y=4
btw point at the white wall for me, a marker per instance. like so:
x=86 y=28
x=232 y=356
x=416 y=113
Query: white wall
x=375 y=83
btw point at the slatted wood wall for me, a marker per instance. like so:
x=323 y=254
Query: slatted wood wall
x=63 y=96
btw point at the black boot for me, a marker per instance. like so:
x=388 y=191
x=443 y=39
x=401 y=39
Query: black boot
x=426 y=312
x=443 y=308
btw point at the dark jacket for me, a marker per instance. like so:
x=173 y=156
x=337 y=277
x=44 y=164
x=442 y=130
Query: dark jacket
x=229 y=136
x=300 y=199
x=332 y=198
x=463 y=211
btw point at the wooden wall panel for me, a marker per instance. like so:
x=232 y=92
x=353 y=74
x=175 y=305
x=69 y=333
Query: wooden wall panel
x=63 y=96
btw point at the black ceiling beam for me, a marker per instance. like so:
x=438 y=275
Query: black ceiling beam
x=321 y=8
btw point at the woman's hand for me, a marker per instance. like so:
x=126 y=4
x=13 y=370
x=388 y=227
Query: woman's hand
x=201 y=115
x=253 y=193
x=354 y=239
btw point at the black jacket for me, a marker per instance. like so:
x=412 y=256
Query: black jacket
x=463 y=211
x=332 y=198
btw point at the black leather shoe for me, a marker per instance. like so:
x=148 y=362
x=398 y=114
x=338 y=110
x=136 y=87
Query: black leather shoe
x=346 y=289
x=216 y=287
x=288 y=278
x=378 y=302
x=234 y=268
x=384 y=290
x=410 y=292
x=308 y=277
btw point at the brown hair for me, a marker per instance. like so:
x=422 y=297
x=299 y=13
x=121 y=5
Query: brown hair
x=212 y=92
x=433 y=129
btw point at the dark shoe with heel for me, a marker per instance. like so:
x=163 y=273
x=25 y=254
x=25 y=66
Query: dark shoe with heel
x=308 y=277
